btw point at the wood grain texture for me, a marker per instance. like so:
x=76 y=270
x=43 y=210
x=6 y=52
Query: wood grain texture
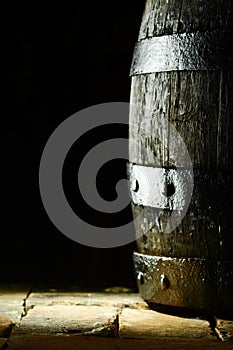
x=199 y=107
x=201 y=234
x=192 y=108
x=179 y=16
x=197 y=104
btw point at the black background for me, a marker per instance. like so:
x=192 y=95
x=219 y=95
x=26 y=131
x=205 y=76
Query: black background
x=59 y=60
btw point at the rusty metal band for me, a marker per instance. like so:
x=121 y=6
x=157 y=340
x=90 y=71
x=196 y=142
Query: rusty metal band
x=196 y=285
x=187 y=51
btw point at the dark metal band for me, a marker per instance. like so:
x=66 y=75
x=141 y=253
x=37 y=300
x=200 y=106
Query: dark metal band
x=188 y=51
x=191 y=284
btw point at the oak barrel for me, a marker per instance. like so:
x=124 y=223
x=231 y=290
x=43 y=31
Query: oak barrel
x=181 y=156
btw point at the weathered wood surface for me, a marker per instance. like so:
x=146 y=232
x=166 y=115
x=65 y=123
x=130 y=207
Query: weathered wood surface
x=175 y=16
x=103 y=320
x=207 y=128
x=198 y=104
x=202 y=238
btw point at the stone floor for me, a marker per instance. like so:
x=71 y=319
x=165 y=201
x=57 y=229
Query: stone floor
x=115 y=318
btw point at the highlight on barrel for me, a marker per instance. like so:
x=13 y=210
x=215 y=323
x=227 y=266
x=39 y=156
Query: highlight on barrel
x=182 y=73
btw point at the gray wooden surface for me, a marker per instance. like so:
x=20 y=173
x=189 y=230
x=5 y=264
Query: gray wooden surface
x=175 y=16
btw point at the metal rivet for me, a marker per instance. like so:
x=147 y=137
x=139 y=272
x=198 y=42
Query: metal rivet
x=164 y=282
x=135 y=186
x=169 y=189
x=141 y=278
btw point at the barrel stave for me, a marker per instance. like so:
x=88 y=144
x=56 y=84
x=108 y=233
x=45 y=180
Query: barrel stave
x=176 y=16
x=191 y=88
x=197 y=104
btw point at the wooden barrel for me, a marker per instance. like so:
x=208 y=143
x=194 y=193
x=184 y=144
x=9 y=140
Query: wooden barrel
x=182 y=75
